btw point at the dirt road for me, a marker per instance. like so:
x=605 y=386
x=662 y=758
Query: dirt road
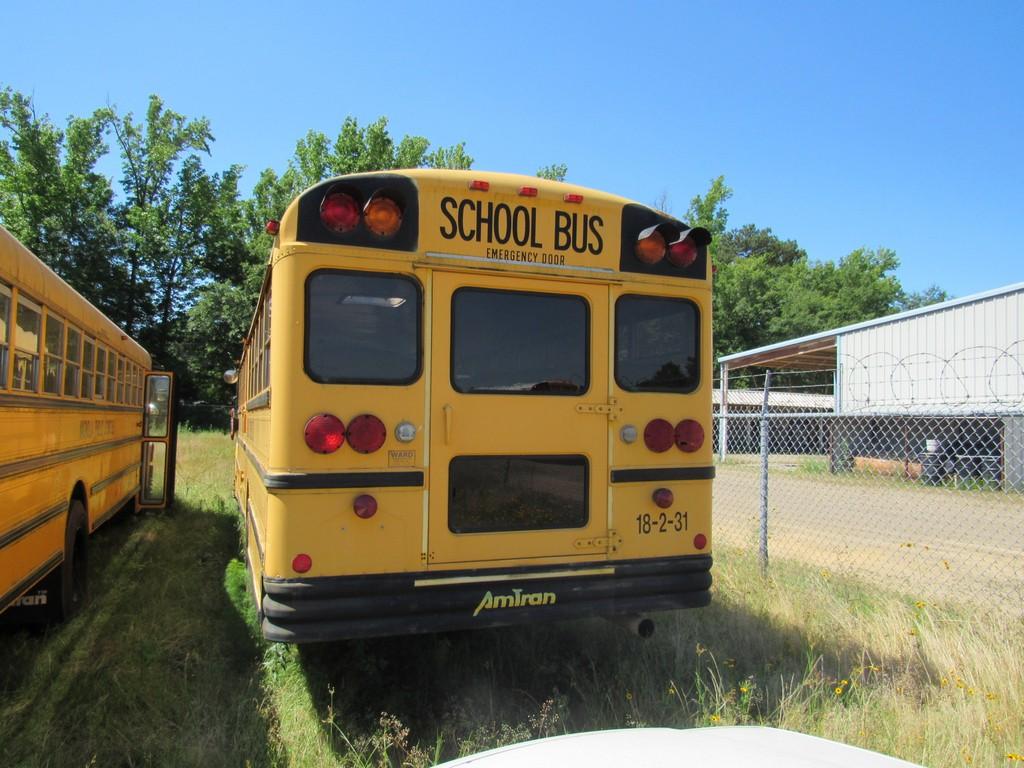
x=933 y=543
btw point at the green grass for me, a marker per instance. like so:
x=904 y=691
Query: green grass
x=166 y=667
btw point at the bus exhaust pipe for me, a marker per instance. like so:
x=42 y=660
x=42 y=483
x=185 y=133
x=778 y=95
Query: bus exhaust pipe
x=639 y=625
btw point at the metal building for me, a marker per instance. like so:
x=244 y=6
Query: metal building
x=959 y=358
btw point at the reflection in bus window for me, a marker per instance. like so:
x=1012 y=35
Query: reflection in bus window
x=26 y=353
x=656 y=342
x=380 y=315
x=546 y=355
x=5 y=331
x=158 y=393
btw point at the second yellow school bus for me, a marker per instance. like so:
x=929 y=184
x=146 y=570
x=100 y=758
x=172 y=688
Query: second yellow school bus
x=472 y=399
x=85 y=430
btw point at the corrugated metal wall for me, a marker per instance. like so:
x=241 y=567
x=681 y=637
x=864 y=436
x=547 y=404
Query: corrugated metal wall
x=963 y=357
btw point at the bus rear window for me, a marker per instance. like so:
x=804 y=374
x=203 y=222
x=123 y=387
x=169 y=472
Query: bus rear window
x=362 y=328
x=517 y=493
x=517 y=343
x=656 y=344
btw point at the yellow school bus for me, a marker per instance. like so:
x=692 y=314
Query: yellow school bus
x=473 y=399
x=86 y=430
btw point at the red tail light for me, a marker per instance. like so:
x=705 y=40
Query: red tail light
x=325 y=433
x=302 y=563
x=650 y=246
x=700 y=541
x=365 y=506
x=658 y=435
x=682 y=253
x=383 y=216
x=689 y=435
x=663 y=498
x=339 y=212
x=366 y=433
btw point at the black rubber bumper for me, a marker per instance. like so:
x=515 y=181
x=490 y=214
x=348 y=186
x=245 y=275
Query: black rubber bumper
x=337 y=608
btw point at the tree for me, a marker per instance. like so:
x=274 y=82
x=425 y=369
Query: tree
x=750 y=240
x=554 y=172
x=709 y=210
x=55 y=202
x=917 y=299
x=222 y=312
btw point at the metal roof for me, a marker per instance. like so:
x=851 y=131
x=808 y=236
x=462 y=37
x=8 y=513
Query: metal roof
x=754 y=398
x=817 y=350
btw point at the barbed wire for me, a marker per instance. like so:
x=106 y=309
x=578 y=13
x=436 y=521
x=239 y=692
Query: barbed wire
x=981 y=378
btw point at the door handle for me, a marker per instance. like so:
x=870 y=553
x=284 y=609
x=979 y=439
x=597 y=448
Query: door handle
x=449 y=418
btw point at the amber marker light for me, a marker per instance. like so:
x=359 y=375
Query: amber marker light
x=383 y=216
x=650 y=246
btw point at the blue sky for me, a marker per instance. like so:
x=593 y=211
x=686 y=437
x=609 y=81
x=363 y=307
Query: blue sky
x=837 y=125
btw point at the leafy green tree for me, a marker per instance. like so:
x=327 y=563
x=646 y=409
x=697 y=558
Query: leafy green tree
x=556 y=172
x=750 y=240
x=709 y=210
x=917 y=299
x=223 y=311
x=53 y=199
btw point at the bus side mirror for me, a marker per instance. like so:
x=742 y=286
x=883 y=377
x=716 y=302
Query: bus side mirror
x=231 y=376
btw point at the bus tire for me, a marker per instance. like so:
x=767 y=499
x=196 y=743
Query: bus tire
x=72 y=589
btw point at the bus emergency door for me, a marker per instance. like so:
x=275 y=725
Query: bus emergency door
x=159 y=443
x=519 y=424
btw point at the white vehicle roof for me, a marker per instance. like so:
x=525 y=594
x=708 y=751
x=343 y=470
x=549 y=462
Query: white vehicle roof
x=718 y=747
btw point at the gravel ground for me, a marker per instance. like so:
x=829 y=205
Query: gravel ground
x=937 y=544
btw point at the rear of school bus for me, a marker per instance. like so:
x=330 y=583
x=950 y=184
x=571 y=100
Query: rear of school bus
x=489 y=404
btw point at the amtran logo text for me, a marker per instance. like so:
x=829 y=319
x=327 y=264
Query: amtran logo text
x=516 y=600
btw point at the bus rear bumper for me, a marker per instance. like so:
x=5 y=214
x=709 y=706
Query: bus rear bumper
x=339 y=607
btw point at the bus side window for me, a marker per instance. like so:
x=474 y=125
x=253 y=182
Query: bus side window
x=5 y=332
x=88 y=364
x=26 y=345
x=72 y=371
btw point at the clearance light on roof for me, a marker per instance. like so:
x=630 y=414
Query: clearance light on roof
x=479 y=185
x=572 y=198
x=528 y=191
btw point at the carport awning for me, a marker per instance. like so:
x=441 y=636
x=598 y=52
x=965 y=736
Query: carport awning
x=811 y=353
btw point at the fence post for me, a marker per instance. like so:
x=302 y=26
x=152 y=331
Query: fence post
x=723 y=413
x=763 y=547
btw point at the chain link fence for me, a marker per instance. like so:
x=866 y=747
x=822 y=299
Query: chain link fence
x=930 y=504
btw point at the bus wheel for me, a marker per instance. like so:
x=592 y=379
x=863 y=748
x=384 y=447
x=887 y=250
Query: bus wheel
x=72 y=589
